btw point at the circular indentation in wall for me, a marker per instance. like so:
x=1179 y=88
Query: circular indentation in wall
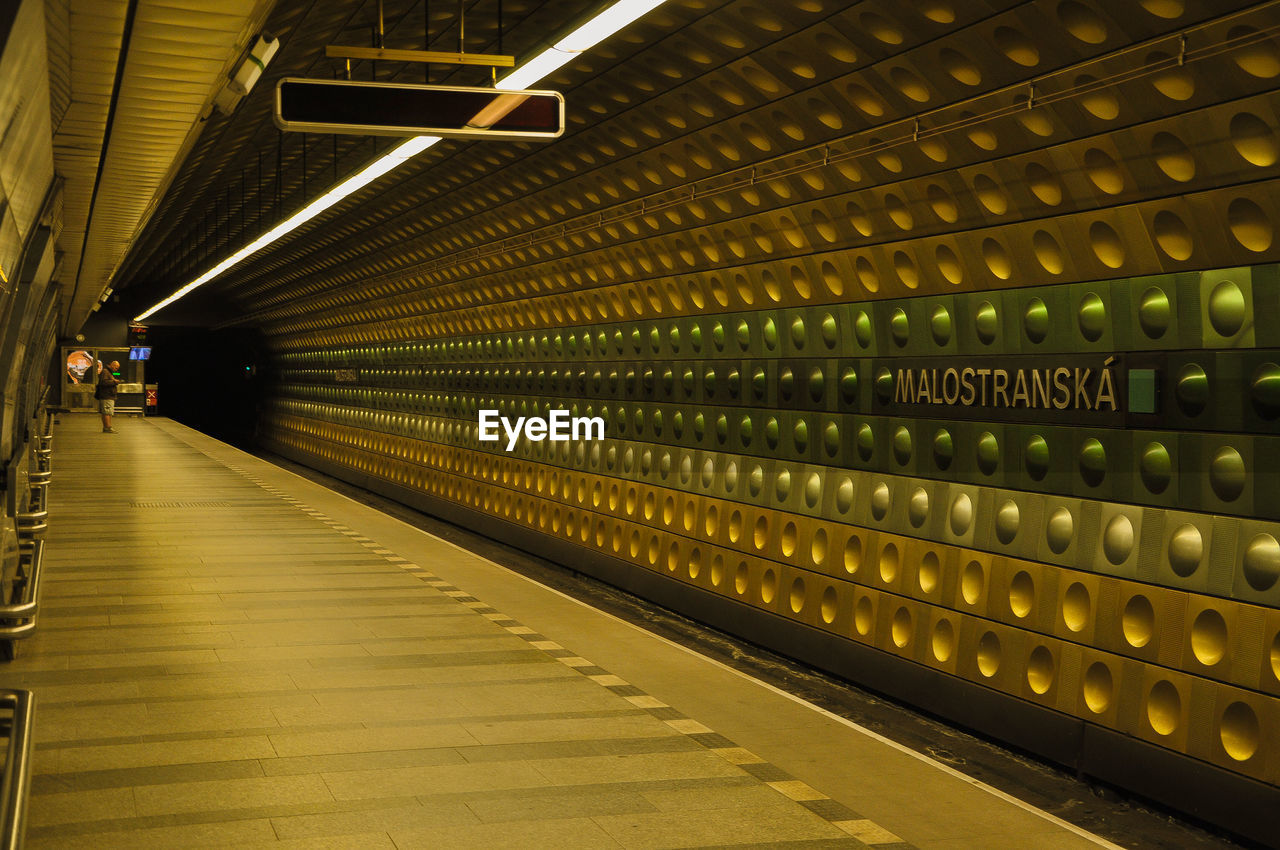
x=1172 y=235
x=880 y=29
x=1098 y=99
x=1022 y=594
x=940 y=325
x=796 y=600
x=830 y=605
x=862 y=328
x=943 y=449
x=1164 y=707
x=1264 y=390
x=1059 y=530
x=812 y=489
x=1155 y=467
x=900 y=631
x=1262 y=562
x=1228 y=308
x=1036 y=457
x=987 y=453
x=1167 y=9
x=1174 y=81
x=1035 y=320
x=942 y=204
x=1103 y=172
x=1186 y=548
x=818 y=547
x=864 y=616
x=1106 y=244
x=997 y=259
x=852 y=554
x=1209 y=637
x=1091 y=317
x=1008 y=521
x=1099 y=685
x=961 y=514
x=1082 y=22
x=948 y=264
x=844 y=495
x=1076 y=607
x=898 y=212
x=1048 y=252
x=769 y=586
x=1192 y=389
x=1249 y=225
x=1118 y=539
x=760 y=535
x=1257 y=57
x=973 y=581
x=1044 y=184
x=961 y=69
x=1154 y=312
x=1013 y=44
x=1239 y=731
x=990 y=195
x=943 y=640
x=889 y=562
x=988 y=654
x=1227 y=475
x=901 y=445
x=899 y=327
x=865 y=440
x=1138 y=622
x=1173 y=157
x=986 y=323
x=909 y=84
x=1254 y=140
x=1040 y=670
x=930 y=572
x=867 y=274
x=717 y=570
x=918 y=507
x=790 y=538
x=695 y=562
x=1092 y=461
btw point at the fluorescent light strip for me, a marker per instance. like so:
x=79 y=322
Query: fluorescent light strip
x=606 y=23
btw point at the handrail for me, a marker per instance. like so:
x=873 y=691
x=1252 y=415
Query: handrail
x=15 y=785
x=31 y=523
x=41 y=477
x=28 y=608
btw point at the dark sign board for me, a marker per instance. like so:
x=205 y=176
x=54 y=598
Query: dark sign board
x=387 y=109
x=137 y=334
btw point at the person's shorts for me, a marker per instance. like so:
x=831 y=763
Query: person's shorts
x=107 y=406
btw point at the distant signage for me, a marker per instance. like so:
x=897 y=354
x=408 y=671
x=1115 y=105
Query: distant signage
x=137 y=335
x=344 y=376
x=390 y=109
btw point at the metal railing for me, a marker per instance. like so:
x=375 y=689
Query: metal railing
x=33 y=522
x=18 y=618
x=15 y=784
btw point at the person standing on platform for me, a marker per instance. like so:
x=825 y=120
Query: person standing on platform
x=106 y=394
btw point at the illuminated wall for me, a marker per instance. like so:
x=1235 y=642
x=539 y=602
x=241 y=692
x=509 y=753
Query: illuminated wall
x=961 y=386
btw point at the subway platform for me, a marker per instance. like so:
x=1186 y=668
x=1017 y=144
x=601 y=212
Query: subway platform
x=231 y=655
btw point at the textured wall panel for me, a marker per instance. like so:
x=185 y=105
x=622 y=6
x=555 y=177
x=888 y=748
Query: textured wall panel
x=758 y=270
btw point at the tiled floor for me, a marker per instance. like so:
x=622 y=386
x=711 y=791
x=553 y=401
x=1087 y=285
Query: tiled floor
x=229 y=655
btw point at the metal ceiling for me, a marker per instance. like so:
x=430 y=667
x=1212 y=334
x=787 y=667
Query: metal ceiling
x=121 y=126
x=243 y=175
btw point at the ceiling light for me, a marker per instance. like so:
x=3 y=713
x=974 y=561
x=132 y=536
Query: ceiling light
x=609 y=20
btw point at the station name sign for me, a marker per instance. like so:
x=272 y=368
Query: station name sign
x=1084 y=389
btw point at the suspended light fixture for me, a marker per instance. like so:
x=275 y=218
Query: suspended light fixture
x=605 y=23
